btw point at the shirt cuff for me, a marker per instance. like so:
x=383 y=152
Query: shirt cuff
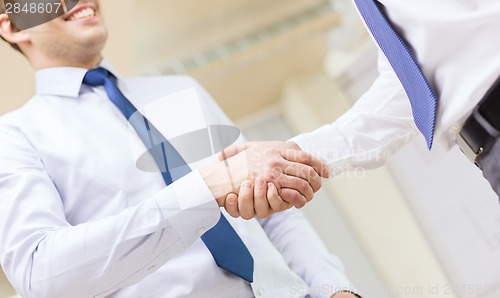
x=198 y=210
x=304 y=144
x=192 y=191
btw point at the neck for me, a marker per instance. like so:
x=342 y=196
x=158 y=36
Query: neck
x=88 y=63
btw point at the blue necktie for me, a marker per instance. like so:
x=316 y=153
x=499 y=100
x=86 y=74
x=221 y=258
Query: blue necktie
x=226 y=247
x=423 y=99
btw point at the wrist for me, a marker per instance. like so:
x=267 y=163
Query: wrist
x=218 y=184
x=221 y=180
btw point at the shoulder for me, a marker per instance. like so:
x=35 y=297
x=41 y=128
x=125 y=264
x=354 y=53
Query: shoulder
x=21 y=114
x=35 y=115
x=12 y=123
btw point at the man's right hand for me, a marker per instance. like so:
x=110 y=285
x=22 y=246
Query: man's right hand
x=277 y=175
x=259 y=198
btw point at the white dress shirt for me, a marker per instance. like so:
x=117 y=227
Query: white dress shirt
x=456 y=43
x=78 y=219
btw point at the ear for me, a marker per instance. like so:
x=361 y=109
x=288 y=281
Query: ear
x=7 y=33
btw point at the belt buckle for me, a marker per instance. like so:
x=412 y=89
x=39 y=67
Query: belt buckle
x=467 y=149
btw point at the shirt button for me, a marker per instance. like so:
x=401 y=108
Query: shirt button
x=202 y=231
x=260 y=292
x=152 y=269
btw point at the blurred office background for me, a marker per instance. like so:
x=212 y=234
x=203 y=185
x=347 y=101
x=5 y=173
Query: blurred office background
x=425 y=225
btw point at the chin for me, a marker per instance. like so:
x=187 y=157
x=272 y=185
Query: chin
x=94 y=42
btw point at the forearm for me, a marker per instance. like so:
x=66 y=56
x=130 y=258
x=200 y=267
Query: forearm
x=99 y=257
x=377 y=125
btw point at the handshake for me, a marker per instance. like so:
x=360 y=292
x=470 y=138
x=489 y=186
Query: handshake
x=260 y=179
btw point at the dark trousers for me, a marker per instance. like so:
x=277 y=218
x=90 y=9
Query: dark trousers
x=490 y=165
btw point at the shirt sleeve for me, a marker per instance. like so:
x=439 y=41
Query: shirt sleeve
x=295 y=238
x=44 y=256
x=378 y=124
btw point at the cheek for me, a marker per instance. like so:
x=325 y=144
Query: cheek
x=47 y=39
x=95 y=34
x=46 y=34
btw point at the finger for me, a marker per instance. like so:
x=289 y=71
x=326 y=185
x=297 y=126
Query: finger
x=275 y=201
x=305 y=172
x=231 y=205
x=245 y=200
x=262 y=208
x=308 y=159
x=293 y=197
x=299 y=184
x=233 y=150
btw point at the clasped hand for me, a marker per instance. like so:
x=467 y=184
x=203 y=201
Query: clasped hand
x=262 y=178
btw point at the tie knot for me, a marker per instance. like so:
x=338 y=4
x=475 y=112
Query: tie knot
x=96 y=77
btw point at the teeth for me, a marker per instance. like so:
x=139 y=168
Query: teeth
x=84 y=13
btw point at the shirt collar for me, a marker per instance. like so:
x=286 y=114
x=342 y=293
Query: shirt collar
x=64 y=81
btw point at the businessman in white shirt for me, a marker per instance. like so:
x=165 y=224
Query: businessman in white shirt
x=78 y=218
x=455 y=44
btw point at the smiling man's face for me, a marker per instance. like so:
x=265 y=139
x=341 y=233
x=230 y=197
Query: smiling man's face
x=74 y=39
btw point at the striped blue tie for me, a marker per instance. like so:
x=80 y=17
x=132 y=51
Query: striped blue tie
x=226 y=247
x=423 y=99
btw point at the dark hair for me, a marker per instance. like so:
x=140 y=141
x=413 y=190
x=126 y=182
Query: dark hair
x=13 y=45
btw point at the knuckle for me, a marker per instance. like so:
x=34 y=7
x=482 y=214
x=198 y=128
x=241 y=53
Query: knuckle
x=274 y=176
x=312 y=173
x=304 y=186
x=303 y=156
x=269 y=177
x=274 y=163
x=299 y=200
x=294 y=197
x=275 y=151
x=276 y=173
x=315 y=181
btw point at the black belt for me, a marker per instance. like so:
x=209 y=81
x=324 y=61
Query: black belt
x=482 y=127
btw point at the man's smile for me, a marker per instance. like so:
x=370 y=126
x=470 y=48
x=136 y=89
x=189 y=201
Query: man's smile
x=81 y=12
